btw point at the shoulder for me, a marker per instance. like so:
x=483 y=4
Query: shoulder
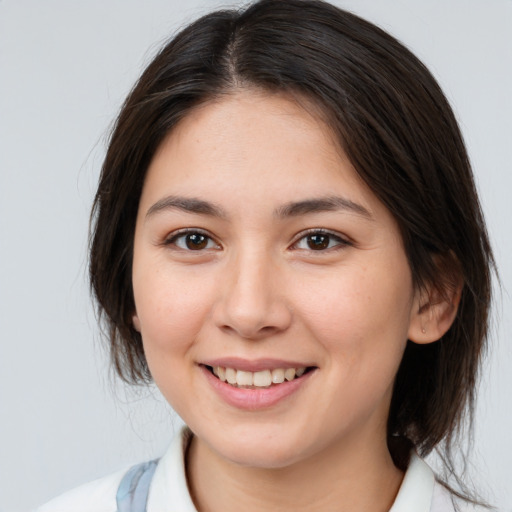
x=166 y=485
x=444 y=501
x=96 y=496
x=421 y=492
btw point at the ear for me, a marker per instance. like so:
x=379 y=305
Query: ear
x=136 y=322
x=433 y=312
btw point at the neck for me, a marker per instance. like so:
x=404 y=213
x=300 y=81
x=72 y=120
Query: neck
x=349 y=476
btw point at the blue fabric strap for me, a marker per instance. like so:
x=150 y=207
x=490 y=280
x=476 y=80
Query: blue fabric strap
x=133 y=491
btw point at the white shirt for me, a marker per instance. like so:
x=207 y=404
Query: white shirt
x=168 y=492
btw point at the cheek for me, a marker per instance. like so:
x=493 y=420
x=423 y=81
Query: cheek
x=360 y=314
x=362 y=328
x=171 y=308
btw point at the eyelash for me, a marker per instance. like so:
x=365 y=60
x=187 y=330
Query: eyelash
x=183 y=233
x=340 y=242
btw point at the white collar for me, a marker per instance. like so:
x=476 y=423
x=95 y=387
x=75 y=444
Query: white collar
x=415 y=493
x=169 y=485
x=169 y=489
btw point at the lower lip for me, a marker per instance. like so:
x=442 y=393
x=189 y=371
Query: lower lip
x=254 y=399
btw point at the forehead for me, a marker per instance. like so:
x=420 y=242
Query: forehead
x=242 y=114
x=253 y=148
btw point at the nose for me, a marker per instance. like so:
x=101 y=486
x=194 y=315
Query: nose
x=252 y=302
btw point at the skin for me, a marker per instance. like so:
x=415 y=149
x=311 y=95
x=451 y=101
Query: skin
x=258 y=290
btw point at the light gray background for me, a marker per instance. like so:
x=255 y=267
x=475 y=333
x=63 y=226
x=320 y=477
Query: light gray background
x=65 y=67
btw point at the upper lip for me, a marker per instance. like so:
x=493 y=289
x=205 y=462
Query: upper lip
x=253 y=365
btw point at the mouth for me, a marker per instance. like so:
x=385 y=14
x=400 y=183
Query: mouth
x=262 y=379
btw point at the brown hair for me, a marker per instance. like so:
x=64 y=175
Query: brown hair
x=398 y=130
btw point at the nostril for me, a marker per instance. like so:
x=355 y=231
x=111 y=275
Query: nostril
x=268 y=328
x=250 y=333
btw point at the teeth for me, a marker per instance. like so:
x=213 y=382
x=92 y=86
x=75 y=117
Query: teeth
x=221 y=373
x=289 y=373
x=231 y=375
x=278 y=376
x=244 y=378
x=261 y=379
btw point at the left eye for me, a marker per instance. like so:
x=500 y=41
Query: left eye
x=192 y=241
x=319 y=241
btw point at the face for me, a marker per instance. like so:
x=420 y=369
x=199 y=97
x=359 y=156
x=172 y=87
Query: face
x=272 y=290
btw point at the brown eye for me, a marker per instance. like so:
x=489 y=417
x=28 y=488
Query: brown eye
x=196 y=241
x=318 y=241
x=192 y=241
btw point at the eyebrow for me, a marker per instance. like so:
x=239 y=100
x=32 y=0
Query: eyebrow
x=323 y=204
x=186 y=204
x=292 y=209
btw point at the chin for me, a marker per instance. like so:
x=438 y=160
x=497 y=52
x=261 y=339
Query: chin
x=263 y=458
x=259 y=447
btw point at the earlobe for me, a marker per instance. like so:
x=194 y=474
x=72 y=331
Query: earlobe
x=433 y=314
x=136 y=322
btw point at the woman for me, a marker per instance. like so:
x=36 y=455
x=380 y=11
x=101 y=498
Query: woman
x=287 y=239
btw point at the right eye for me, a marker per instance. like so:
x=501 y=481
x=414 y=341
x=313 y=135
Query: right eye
x=192 y=241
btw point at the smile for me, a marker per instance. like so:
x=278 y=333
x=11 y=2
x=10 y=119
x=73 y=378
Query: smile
x=260 y=379
x=256 y=385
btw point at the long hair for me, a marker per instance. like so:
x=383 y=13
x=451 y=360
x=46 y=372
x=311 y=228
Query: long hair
x=395 y=125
